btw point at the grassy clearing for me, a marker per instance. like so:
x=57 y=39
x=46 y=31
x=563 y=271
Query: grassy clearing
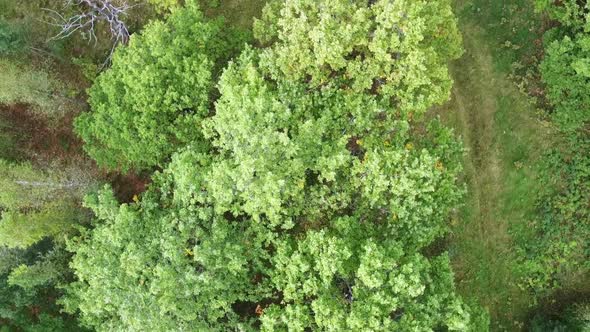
x=504 y=140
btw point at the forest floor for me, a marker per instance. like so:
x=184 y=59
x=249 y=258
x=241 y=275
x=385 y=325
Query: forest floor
x=503 y=138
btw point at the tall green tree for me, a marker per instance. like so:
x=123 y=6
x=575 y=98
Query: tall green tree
x=37 y=211
x=397 y=49
x=159 y=88
x=315 y=206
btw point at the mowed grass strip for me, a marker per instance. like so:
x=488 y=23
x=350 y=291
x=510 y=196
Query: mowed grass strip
x=504 y=140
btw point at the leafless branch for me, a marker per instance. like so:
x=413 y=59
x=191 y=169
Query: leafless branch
x=89 y=13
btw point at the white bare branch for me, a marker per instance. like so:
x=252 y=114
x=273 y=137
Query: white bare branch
x=89 y=14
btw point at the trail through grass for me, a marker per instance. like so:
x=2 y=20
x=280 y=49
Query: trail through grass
x=503 y=139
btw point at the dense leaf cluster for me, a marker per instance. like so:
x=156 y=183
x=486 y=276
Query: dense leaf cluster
x=159 y=88
x=306 y=200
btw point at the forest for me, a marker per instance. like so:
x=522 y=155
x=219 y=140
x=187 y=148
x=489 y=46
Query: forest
x=295 y=165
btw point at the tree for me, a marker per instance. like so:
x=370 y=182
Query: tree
x=355 y=282
x=146 y=267
x=326 y=162
x=367 y=46
x=312 y=209
x=29 y=280
x=164 y=5
x=159 y=88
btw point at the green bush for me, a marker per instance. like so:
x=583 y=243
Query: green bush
x=573 y=14
x=575 y=318
x=11 y=38
x=556 y=251
x=566 y=73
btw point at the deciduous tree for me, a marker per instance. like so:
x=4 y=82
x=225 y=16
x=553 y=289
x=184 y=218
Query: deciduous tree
x=159 y=88
x=314 y=206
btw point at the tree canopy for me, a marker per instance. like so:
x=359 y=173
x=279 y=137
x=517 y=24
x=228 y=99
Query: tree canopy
x=316 y=203
x=572 y=14
x=159 y=88
x=396 y=49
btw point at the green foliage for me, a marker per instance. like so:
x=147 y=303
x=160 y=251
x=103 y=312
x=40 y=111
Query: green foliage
x=553 y=249
x=11 y=38
x=571 y=13
x=35 y=204
x=22 y=229
x=314 y=206
x=566 y=72
x=159 y=88
x=28 y=280
x=47 y=270
x=277 y=149
x=555 y=253
x=25 y=187
x=164 y=5
x=558 y=251
x=146 y=267
x=359 y=283
x=379 y=48
x=37 y=210
x=573 y=318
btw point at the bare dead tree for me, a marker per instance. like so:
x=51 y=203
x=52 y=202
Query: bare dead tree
x=90 y=14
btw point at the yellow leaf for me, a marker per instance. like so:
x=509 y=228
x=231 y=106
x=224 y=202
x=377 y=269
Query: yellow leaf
x=301 y=184
x=439 y=165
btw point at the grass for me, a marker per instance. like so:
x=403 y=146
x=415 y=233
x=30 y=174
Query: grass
x=504 y=139
x=511 y=28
